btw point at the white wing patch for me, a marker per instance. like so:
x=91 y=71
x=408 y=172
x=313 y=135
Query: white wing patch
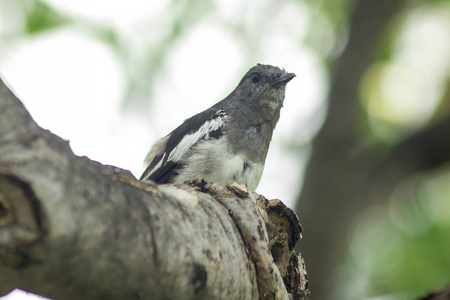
x=189 y=140
x=183 y=148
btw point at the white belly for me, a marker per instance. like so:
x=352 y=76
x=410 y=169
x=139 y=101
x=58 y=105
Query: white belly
x=213 y=161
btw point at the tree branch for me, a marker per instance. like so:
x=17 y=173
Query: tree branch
x=422 y=151
x=71 y=228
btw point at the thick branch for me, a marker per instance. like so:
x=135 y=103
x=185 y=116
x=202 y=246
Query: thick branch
x=71 y=228
x=422 y=151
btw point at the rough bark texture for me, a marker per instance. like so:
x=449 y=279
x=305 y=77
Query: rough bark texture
x=71 y=228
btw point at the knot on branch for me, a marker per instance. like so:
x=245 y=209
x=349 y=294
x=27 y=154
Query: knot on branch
x=269 y=243
x=21 y=225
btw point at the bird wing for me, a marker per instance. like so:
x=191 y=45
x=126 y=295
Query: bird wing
x=164 y=158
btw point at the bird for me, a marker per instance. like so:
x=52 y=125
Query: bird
x=227 y=142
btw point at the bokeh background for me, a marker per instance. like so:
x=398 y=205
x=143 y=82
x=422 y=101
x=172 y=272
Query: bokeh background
x=362 y=147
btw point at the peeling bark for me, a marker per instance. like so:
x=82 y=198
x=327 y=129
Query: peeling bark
x=71 y=228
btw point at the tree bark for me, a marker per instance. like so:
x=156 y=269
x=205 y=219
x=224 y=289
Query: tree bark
x=71 y=228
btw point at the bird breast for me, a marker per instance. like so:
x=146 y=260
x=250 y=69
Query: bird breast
x=215 y=162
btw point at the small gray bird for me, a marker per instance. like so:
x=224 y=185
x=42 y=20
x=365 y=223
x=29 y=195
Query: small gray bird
x=227 y=142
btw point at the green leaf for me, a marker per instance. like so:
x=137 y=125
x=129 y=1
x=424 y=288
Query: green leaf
x=42 y=17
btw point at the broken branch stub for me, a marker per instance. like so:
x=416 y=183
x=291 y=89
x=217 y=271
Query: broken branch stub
x=270 y=233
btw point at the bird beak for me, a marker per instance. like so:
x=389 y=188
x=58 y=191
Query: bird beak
x=285 y=78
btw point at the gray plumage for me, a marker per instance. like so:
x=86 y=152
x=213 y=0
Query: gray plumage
x=227 y=142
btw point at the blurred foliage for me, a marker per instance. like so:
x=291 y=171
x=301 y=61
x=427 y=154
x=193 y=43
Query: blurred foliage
x=329 y=23
x=406 y=90
x=142 y=67
x=41 y=17
x=182 y=15
x=443 y=108
x=402 y=249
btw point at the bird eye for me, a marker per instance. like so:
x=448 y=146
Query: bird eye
x=255 y=78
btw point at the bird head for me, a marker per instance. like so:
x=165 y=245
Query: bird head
x=264 y=85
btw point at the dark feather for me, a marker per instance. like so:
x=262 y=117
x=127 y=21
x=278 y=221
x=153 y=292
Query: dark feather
x=165 y=173
x=169 y=168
